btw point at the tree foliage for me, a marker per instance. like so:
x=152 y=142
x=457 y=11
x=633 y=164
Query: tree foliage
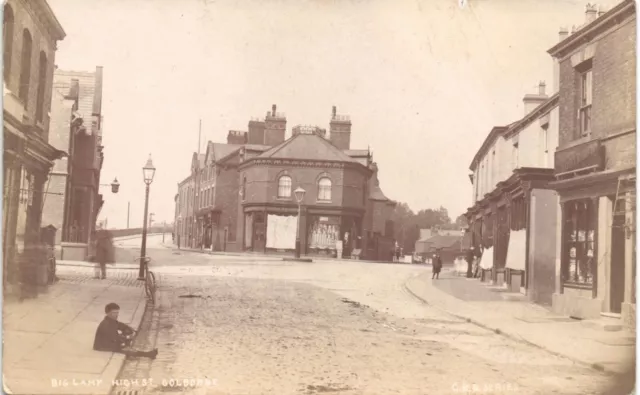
x=407 y=224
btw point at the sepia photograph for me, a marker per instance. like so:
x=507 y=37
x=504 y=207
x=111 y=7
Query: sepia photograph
x=312 y=197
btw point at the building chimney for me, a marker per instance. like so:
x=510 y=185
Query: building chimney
x=563 y=33
x=601 y=10
x=541 y=88
x=591 y=13
x=340 y=130
x=273 y=110
x=532 y=101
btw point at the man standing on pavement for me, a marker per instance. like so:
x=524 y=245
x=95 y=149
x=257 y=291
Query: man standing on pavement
x=469 y=258
x=114 y=336
x=104 y=250
x=437 y=265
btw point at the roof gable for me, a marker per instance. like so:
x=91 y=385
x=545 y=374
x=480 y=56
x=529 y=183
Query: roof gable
x=309 y=147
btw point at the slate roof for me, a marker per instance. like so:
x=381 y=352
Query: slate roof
x=221 y=150
x=376 y=193
x=307 y=146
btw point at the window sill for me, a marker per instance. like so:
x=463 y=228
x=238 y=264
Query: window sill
x=587 y=287
x=574 y=143
x=284 y=199
x=323 y=201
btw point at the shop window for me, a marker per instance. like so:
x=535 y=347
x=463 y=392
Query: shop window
x=518 y=214
x=284 y=187
x=324 y=189
x=580 y=224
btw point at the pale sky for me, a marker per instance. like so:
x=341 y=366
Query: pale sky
x=423 y=81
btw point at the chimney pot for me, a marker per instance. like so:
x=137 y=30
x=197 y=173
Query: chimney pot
x=563 y=33
x=333 y=112
x=591 y=13
x=273 y=110
x=541 y=88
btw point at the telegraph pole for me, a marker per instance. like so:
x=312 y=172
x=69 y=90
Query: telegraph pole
x=128 y=210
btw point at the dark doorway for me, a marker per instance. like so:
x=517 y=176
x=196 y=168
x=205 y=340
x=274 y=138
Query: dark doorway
x=616 y=285
x=259 y=232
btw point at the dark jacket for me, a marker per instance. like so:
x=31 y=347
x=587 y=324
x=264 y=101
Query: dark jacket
x=110 y=335
x=105 y=251
x=437 y=263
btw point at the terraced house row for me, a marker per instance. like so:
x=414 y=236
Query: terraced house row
x=554 y=192
x=241 y=196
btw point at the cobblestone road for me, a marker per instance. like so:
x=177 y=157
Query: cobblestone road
x=269 y=328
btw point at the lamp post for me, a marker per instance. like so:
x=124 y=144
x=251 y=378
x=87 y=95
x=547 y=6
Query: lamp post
x=148 y=171
x=299 y=192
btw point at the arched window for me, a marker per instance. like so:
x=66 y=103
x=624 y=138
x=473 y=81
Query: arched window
x=324 y=189
x=7 y=34
x=42 y=85
x=284 y=187
x=25 y=67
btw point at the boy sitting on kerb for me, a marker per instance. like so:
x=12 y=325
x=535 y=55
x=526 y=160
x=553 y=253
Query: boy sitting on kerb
x=114 y=336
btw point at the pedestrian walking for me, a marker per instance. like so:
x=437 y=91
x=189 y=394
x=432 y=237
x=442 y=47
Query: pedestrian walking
x=105 y=251
x=469 y=258
x=437 y=265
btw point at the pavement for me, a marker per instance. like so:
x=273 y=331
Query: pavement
x=584 y=342
x=48 y=340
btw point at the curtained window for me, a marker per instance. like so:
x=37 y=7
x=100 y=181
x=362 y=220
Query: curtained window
x=580 y=224
x=284 y=187
x=324 y=189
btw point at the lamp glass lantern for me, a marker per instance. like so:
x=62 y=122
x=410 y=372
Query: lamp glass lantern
x=148 y=171
x=299 y=192
x=115 y=185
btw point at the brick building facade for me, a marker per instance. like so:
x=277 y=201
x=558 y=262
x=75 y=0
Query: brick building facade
x=74 y=199
x=239 y=195
x=595 y=165
x=30 y=34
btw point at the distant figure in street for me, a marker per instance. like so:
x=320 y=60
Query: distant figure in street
x=105 y=252
x=114 y=336
x=478 y=260
x=469 y=258
x=437 y=265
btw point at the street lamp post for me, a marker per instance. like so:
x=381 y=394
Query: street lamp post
x=299 y=192
x=148 y=171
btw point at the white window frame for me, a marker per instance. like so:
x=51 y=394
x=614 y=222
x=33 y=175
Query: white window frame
x=284 y=191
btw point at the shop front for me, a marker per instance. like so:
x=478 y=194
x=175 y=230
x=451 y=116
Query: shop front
x=323 y=231
x=515 y=226
x=596 y=239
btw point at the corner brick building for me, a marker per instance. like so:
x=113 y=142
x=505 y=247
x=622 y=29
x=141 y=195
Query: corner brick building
x=74 y=201
x=240 y=195
x=595 y=166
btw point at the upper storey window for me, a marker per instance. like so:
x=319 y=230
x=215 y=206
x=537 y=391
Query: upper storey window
x=284 y=187
x=586 y=98
x=324 y=189
x=25 y=67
